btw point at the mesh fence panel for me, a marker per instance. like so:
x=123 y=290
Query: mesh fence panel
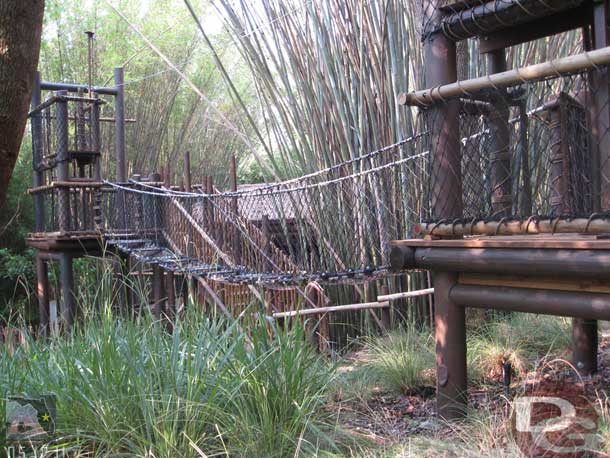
x=524 y=151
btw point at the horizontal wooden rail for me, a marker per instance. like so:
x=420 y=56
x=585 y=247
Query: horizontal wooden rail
x=405 y=295
x=66 y=184
x=332 y=309
x=558 y=67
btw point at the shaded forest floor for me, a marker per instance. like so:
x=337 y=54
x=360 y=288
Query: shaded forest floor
x=400 y=425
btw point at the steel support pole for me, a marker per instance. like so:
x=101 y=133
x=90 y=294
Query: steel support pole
x=42 y=272
x=500 y=156
x=119 y=126
x=66 y=274
x=63 y=204
x=119 y=123
x=95 y=139
x=38 y=176
x=450 y=336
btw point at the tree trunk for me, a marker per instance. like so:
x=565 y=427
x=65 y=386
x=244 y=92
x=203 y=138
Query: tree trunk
x=20 y=32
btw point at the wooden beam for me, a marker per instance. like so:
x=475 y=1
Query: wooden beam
x=540 y=28
x=533 y=282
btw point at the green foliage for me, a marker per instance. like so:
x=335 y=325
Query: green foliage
x=403 y=360
x=518 y=339
x=128 y=388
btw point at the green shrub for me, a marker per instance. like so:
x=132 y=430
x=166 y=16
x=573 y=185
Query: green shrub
x=130 y=389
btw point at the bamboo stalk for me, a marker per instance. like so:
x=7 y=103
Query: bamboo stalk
x=331 y=309
x=514 y=227
x=406 y=294
x=558 y=67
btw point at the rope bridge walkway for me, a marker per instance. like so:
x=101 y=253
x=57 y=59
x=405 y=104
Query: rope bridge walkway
x=522 y=165
x=333 y=225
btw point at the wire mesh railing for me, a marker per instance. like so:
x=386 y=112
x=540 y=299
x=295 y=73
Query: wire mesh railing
x=535 y=150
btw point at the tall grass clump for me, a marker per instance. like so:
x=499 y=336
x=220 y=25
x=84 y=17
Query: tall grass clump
x=130 y=389
x=518 y=339
x=403 y=360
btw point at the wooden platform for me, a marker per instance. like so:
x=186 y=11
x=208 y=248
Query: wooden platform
x=76 y=243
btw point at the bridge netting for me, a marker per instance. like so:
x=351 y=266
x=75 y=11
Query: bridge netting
x=332 y=225
x=526 y=153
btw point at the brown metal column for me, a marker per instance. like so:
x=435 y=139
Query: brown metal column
x=584 y=332
x=600 y=110
x=42 y=272
x=584 y=342
x=445 y=170
x=446 y=201
x=450 y=336
x=501 y=183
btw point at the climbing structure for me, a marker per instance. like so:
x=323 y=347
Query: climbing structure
x=519 y=168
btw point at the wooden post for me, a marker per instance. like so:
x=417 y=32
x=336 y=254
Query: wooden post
x=558 y=156
x=314 y=294
x=235 y=211
x=585 y=343
x=450 y=336
x=42 y=272
x=267 y=238
x=37 y=146
x=158 y=291
x=445 y=175
x=446 y=199
x=171 y=294
x=66 y=274
x=525 y=203
x=584 y=332
x=170 y=307
x=187 y=171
